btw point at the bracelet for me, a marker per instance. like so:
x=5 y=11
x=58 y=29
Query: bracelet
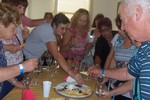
x=21 y=69
x=103 y=72
x=13 y=82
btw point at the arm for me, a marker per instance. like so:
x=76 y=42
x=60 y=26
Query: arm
x=119 y=73
x=36 y=22
x=16 y=83
x=109 y=58
x=31 y=22
x=53 y=49
x=12 y=71
x=116 y=73
x=12 y=48
x=126 y=87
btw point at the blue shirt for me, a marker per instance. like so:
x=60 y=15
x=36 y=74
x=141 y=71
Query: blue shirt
x=139 y=67
x=3 y=61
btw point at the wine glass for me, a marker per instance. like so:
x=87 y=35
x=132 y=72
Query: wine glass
x=99 y=89
x=49 y=60
x=27 y=82
x=41 y=61
x=55 y=66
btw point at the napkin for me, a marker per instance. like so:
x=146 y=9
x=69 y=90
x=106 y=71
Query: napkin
x=27 y=94
x=69 y=79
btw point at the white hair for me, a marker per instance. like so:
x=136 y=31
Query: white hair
x=130 y=4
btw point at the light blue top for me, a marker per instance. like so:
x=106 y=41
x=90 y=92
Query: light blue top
x=36 y=42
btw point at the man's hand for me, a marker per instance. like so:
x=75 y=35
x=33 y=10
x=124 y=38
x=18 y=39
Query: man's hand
x=94 y=71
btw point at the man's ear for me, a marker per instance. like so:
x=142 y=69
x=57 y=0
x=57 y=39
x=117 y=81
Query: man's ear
x=138 y=12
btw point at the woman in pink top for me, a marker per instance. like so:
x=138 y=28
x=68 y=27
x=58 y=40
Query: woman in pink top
x=21 y=7
x=74 y=41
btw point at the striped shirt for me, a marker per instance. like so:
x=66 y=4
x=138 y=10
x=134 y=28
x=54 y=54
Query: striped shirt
x=139 y=67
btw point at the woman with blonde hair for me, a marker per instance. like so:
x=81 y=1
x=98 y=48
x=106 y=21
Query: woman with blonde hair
x=74 y=41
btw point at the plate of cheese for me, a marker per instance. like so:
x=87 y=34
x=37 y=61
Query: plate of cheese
x=73 y=90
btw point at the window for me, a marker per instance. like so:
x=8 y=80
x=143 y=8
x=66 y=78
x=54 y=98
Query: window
x=68 y=7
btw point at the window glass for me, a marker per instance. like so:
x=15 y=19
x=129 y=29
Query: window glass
x=68 y=7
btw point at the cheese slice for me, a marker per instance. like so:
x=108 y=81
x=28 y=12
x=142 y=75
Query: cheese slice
x=84 y=73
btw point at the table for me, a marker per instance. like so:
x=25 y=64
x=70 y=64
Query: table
x=16 y=93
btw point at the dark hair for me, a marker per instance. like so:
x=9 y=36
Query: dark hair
x=104 y=23
x=9 y=2
x=8 y=15
x=118 y=21
x=60 y=18
x=97 y=17
x=19 y=2
x=48 y=13
x=6 y=1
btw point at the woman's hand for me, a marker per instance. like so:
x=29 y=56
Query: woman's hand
x=19 y=84
x=107 y=94
x=78 y=79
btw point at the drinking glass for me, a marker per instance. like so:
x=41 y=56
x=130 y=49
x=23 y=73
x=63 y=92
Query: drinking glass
x=100 y=79
x=27 y=82
x=99 y=90
x=49 y=60
x=55 y=66
x=41 y=61
x=53 y=70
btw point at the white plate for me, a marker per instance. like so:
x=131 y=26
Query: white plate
x=72 y=90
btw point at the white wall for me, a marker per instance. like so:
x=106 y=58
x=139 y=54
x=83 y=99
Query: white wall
x=106 y=7
x=37 y=8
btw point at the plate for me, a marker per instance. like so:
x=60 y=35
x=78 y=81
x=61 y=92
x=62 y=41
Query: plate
x=73 y=90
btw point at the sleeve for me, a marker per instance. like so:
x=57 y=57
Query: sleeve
x=47 y=35
x=114 y=39
x=25 y=20
x=134 y=66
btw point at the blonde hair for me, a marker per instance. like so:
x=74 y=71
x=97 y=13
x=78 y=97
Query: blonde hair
x=78 y=14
